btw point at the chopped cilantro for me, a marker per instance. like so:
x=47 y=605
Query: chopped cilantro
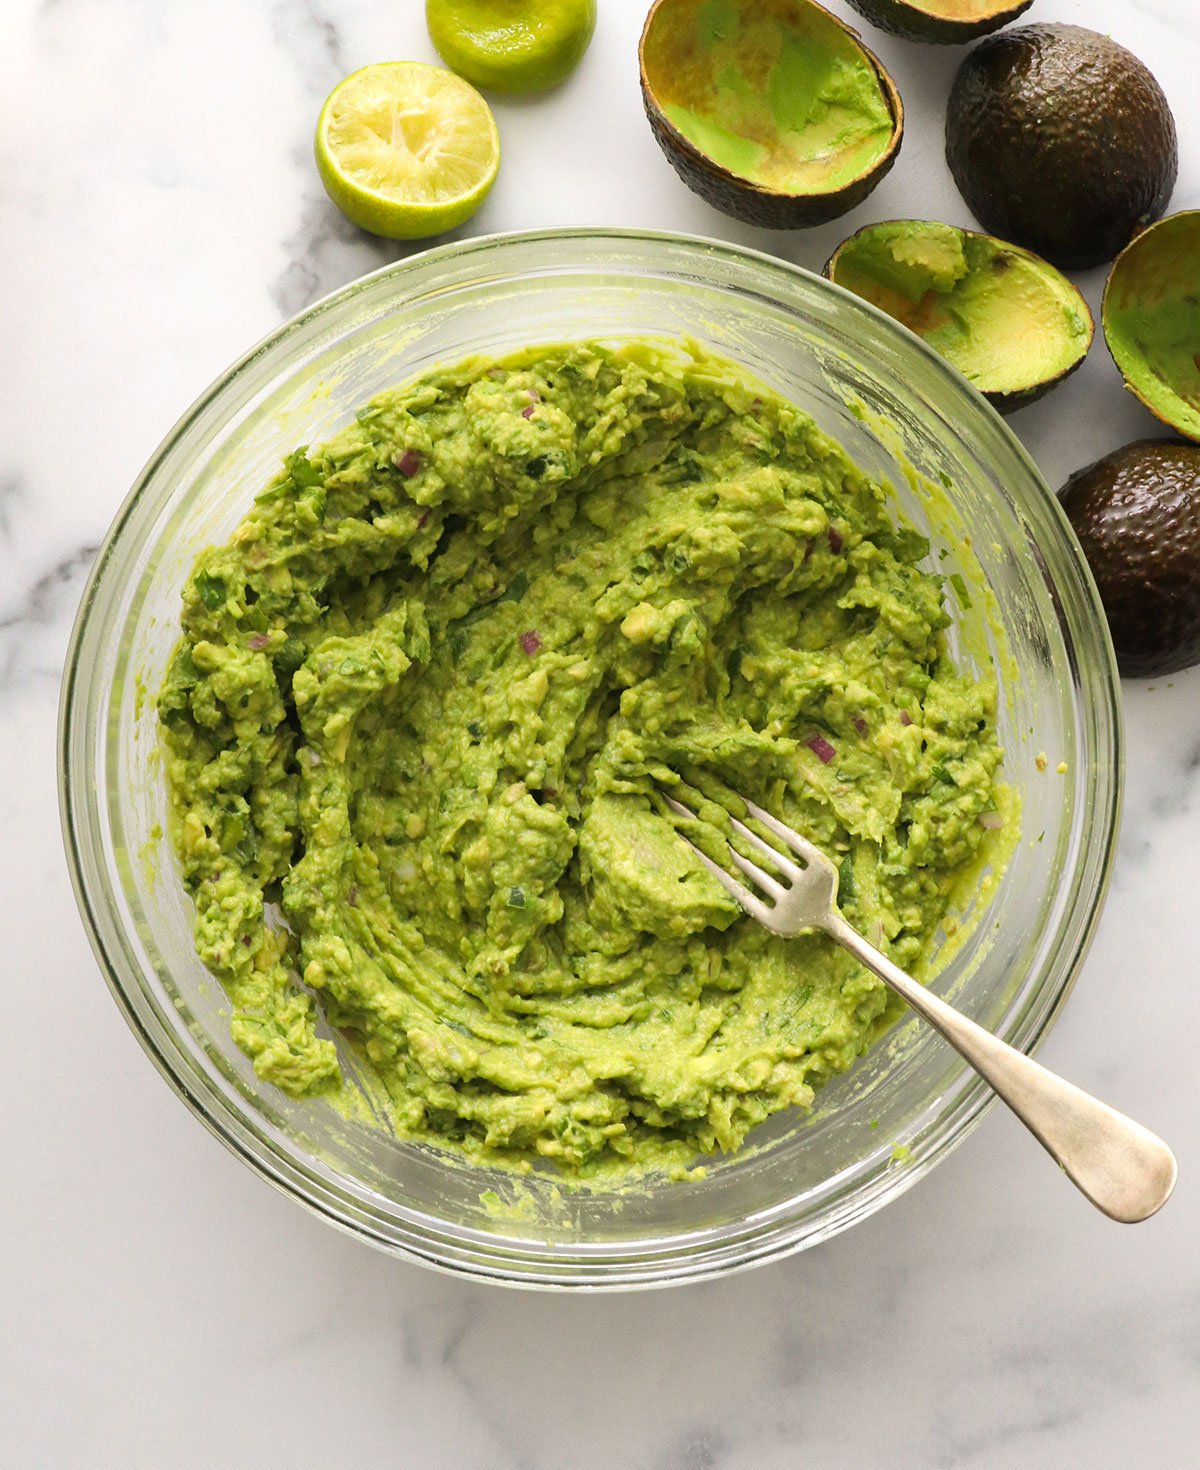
x=301 y=469
x=846 y=888
x=212 y=590
x=517 y=589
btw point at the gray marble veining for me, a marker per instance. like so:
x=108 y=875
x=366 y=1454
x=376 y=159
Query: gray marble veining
x=31 y=629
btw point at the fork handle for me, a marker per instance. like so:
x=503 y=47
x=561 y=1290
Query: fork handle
x=1124 y=1169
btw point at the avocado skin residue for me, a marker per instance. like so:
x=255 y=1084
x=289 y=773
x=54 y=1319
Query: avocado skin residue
x=424 y=700
x=778 y=94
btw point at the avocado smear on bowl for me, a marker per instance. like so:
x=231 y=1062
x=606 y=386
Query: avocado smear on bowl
x=423 y=699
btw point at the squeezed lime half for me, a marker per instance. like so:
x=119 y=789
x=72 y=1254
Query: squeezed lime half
x=407 y=150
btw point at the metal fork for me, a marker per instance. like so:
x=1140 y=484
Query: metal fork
x=1124 y=1169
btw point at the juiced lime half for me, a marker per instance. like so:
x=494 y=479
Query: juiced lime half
x=512 y=45
x=407 y=150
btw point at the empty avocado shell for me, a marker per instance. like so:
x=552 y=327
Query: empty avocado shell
x=947 y=21
x=772 y=110
x=1005 y=318
x=1151 y=317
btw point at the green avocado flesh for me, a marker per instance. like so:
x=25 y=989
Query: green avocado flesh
x=1007 y=320
x=1152 y=319
x=778 y=93
x=424 y=705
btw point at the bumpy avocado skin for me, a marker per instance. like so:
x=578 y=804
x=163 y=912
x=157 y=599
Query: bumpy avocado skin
x=915 y=24
x=1137 y=515
x=1062 y=141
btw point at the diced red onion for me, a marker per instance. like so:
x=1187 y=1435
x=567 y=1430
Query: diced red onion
x=530 y=642
x=407 y=463
x=821 y=748
x=993 y=821
x=905 y=717
x=835 y=540
x=527 y=413
x=422 y=518
x=860 y=724
x=534 y=396
x=258 y=641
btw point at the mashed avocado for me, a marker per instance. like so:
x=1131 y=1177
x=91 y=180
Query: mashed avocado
x=421 y=705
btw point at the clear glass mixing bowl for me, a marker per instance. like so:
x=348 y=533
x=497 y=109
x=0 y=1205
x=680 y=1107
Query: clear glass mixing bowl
x=902 y=414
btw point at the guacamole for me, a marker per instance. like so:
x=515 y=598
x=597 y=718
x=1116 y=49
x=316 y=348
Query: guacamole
x=425 y=704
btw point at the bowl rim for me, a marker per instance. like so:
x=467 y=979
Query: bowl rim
x=458 y=1249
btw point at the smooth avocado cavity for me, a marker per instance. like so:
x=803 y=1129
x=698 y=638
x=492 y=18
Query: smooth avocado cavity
x=772 y=110
x=1151 y=317
x=1007 y=320
x=429 y=693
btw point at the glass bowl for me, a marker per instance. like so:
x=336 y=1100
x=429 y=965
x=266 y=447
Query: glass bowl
x=902 y=414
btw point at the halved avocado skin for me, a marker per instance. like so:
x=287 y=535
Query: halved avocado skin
x=1006 y=403
x=1062 y=141
x=1003 y=403
x=1137 y=515
x=744 y=200
x=915 y=24
x=1139 y=243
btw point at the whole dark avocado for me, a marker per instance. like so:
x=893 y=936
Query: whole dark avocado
x=1137 y=515
x=1062 y=141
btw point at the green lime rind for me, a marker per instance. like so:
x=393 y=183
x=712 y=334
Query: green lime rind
x=512 y=46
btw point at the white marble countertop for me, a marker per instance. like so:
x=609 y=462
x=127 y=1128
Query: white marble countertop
x=161 y=1305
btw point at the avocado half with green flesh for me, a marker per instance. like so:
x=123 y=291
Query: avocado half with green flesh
x=1151 y=317
x=1008 y=321
x=1137 y=515
x=949 y=22
x=771 y=110
x=1062 y=141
